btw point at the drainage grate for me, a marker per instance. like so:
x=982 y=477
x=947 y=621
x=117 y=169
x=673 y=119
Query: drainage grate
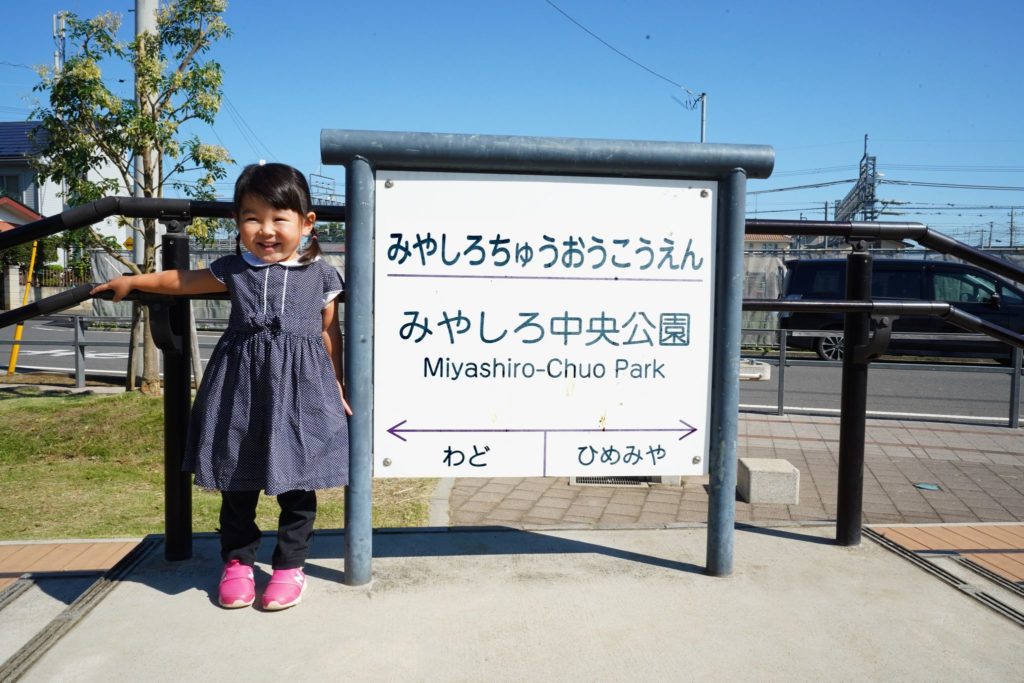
x=611 y=481
x=19 y=662
x=947 y=576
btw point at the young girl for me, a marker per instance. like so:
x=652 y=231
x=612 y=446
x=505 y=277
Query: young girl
x=270 y=413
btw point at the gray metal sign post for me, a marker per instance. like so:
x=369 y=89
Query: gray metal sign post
x=363 y=153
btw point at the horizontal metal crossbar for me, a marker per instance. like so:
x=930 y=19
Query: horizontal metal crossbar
x=942 y=309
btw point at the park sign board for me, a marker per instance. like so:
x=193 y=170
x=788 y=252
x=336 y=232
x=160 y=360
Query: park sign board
x=538 y=325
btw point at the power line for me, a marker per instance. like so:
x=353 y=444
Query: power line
x=933 y=168
x=952 y=186
x=955 y=168
x=804 y=187
x=816 y=171
x=240 y=122
x=624 y=55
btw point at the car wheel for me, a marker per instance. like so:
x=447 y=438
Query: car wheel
x=829 y=348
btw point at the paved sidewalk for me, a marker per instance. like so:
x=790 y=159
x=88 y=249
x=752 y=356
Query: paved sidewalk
x=979 y=471
x=604 y=583
x=571 y=605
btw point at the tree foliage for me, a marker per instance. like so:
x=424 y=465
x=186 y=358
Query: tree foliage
x=89 y=127
x=93 y=135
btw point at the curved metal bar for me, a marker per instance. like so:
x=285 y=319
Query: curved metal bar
x=134 y=207
x=919 y=232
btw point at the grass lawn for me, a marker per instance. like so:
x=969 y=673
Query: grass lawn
x=91 y=466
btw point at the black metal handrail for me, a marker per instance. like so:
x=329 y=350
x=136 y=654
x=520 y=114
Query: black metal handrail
x=134 y=207
x=942 y=309
x=919 y=232
x=860 y=345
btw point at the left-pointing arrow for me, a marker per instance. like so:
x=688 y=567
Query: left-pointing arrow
x=397 y=431
x=394 y=430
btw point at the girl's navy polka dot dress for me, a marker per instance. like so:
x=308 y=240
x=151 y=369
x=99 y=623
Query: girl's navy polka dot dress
x=268 y=414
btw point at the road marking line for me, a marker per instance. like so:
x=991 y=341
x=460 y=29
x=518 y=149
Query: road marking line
x=876 y=413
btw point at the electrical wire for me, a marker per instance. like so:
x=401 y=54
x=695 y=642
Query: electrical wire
x=954 y=168
x=951 y=186
x=815 y=171
x=803 y=187
x=240 y=122
x=624 y=55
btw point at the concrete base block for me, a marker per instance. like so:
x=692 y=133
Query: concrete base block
x=768 y=480
x=755 y=370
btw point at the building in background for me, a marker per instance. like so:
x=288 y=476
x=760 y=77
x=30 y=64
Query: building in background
x=20 y=182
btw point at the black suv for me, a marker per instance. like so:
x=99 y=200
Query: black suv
x=967 y=287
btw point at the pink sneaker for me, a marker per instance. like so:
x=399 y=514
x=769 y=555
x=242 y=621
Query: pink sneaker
x=284 y=590
x=237 y=588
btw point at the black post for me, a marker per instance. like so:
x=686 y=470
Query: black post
x=177 y=406
x=853 y=406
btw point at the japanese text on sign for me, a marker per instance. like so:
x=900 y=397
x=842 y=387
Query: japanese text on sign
x=541 y=326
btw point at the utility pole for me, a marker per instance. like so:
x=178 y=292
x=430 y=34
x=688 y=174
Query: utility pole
x=145 y=22
x=862 y=198
x=1011 y=227
x=59 y=46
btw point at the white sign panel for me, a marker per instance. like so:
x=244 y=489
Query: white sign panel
x=541 y=326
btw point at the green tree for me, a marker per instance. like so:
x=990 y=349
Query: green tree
x=21 y=254
x=90 y=128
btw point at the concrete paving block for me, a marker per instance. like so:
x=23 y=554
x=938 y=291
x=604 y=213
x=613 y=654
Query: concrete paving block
x=768 y=480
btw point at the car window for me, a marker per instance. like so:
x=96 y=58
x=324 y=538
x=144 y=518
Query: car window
x=964 y=287
x=1010 y=296
x=818 y=281
x=896 y=284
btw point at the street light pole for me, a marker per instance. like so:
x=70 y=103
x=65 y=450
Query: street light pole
x=703 y=115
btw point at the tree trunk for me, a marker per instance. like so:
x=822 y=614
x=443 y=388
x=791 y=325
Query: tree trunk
x=133 y=347
x=150 y=358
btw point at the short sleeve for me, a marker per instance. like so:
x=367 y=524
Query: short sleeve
x=333 y=284
x=220 y=266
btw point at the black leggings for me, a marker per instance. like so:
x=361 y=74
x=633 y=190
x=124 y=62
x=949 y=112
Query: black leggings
x=240 y=537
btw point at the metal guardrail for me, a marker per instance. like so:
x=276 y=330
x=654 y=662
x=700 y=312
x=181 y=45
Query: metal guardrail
x=919 y=232
x=783 y=361
x=78 y=342
x=565 y=156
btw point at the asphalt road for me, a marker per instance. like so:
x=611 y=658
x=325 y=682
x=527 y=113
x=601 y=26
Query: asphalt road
x=895 y=390
x=956 y=390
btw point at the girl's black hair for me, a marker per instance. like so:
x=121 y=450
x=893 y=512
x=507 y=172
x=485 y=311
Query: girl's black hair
x=283 y=187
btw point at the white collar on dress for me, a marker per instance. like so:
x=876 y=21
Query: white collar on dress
x=294 y=263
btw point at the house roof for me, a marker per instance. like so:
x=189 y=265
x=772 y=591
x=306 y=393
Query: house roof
x=15 y=141
x=767 y=238
x=11 y=209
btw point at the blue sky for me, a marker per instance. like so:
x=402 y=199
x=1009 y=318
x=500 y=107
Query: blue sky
x=937 y=86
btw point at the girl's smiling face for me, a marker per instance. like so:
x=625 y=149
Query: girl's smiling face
x=272 y=235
